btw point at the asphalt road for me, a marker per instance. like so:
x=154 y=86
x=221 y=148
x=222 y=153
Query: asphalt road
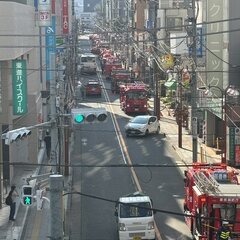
x=103 y=152
x=104 y=145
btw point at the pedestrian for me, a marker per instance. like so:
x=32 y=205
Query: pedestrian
x=47 y=140
x=14 y=194
x=224 y=232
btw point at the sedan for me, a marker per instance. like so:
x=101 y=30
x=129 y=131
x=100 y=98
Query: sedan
x=142 y=125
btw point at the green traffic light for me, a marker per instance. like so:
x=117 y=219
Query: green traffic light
x=27 y=200
x=79 y=118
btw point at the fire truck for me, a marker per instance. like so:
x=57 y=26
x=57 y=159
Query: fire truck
x=111 y=63
x=212 y=197
x=134 y=98
x=118 y=77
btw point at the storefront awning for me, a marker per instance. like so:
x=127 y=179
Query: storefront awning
x=171 y=84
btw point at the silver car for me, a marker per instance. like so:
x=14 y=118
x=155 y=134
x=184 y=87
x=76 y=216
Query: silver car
x=142 y=125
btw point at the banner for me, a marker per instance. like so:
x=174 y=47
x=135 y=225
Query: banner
x=65 y=23
x=19 y=85
x=50 y=45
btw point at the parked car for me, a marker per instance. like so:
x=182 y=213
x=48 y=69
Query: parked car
x=93 y=88
x=142 y=125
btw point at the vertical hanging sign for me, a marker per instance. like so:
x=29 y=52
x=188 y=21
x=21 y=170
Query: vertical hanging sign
x=50 y=38
x=50 y=46
x=19 y=86
x=65 y=23
x=44 y=13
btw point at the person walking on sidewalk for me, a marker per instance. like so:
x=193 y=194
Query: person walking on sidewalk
x=14 y=194
x=47 y=140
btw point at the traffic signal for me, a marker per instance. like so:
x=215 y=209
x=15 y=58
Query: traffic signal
x=16 y=134
x=88 y=115
x=27 y=195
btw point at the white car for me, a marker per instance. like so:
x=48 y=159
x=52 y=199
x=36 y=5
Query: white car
x=142 y=125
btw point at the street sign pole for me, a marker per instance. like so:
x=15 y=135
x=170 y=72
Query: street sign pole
x=56 y=203
x=54 y=133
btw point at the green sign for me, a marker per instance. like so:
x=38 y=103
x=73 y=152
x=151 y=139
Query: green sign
x=19 y=86
x=59 y=41
x=232 y=144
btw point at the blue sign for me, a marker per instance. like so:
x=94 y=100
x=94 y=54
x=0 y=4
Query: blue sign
x=199 y=43
x=50 y=45
x=149 y=24
x=36 y=5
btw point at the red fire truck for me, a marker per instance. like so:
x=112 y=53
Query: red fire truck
x=212 y=197
x=118 y=77
x=133 y=98
x=111 y=63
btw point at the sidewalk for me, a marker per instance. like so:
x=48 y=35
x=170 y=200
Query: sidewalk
x=206 y=154
x=10 y=230
x=170 y=128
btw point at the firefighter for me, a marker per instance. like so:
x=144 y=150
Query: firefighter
x=224 y=232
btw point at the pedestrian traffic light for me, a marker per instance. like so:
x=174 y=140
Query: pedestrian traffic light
x=88 y=115
x=14 y=135
x=27 y=195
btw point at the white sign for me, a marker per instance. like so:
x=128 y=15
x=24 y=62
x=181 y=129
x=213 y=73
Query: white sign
x=44 y=18
x=194 y=127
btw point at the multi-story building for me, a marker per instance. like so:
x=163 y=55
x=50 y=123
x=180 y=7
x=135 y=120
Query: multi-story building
x=19 y=41
x=221 y=115
x=22 y=40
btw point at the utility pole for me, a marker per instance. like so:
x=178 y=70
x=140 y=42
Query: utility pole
x=53 y=112
x=155 y=66
x=127 y=3
x=180 y=108
x=56 y=203
x=193 y=32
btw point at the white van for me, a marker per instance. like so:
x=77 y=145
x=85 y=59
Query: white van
x=135 y=217
x=88 y=63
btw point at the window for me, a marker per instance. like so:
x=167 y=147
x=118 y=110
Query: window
x=180 y=3
x=135 y=210
x=136 y=95
x=174 y=23
x=152 y=120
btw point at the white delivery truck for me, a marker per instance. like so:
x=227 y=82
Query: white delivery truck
x=135 y=217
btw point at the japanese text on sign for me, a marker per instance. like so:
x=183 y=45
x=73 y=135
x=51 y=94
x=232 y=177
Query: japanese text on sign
x=19 y=87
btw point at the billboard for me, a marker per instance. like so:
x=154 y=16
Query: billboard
x=50 y=45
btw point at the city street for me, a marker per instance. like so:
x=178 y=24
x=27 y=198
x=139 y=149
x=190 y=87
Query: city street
x=77 y=158
x=104 y=144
